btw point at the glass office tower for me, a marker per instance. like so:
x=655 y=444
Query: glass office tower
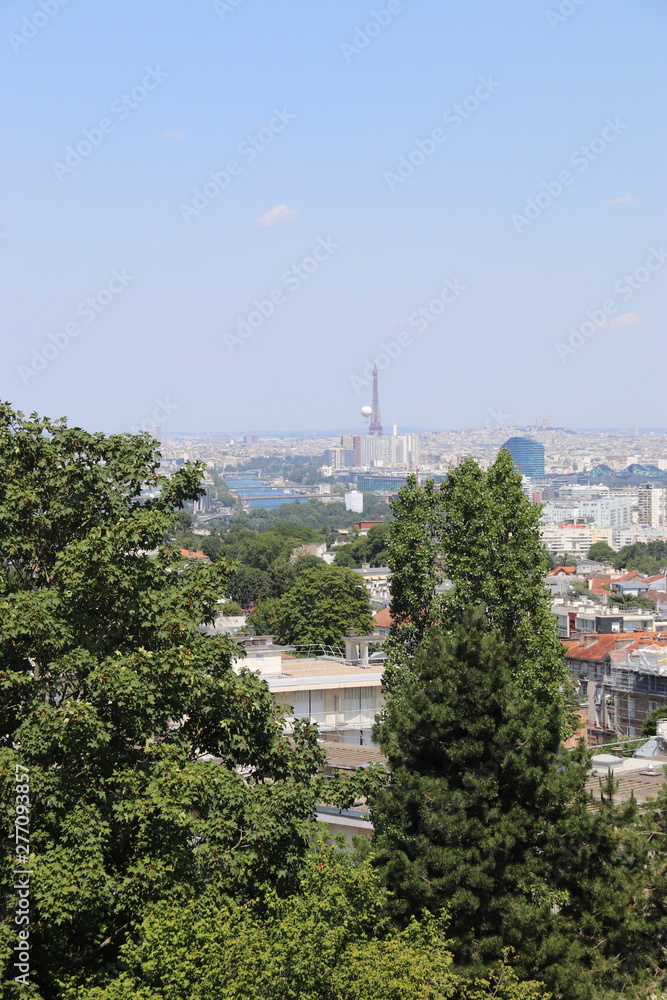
x=528 y=456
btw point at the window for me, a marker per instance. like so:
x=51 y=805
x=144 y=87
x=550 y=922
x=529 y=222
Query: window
x=359 y=704
x=308 y=705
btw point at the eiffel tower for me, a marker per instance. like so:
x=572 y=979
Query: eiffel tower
x=376 y=420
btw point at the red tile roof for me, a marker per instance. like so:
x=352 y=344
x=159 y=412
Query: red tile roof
x=191 y=554
x=596 y=651
x=383 y=618
x=562 y=569
x=605 y=644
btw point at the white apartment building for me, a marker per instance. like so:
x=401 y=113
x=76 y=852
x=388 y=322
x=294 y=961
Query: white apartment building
x=377 y=581
x=607 y=512
x=341 y=694
x=651 y=504
x=354 y=501
x=557 y=513
x=575 y=538
x=389 y=449
x=578 y=617
x=637 y=533
x=614 y=512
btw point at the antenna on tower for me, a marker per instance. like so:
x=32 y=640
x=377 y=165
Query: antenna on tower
x=376 y=420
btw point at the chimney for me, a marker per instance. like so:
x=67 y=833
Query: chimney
x=589 y=639
x=622 y=643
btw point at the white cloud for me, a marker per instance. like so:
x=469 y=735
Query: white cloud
x=627 y=319
x=626 y=199
x=278 y=214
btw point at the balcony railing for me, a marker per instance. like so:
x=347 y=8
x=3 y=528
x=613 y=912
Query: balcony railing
x=336 y=720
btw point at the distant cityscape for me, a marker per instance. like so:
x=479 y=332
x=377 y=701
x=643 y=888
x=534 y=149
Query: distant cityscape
x=595 y=486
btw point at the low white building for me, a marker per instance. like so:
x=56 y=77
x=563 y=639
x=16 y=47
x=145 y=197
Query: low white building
x=341 y=694
x=354 y=501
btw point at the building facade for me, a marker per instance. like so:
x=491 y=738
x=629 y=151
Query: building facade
x=528 y=456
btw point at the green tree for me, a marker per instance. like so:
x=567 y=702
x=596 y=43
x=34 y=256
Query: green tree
x=485 y=814
x=649 y=727
x=307 y=562
x=264 y=619
x=413 y=552
x=323 y=605
x=601 y=552
x=213 y=547
x=644 y=558
x=330 y=941
x=110 y=696
x=632 y=601
x=492 y=553
x=248 y=585
x=230 y=609
x=370 y=548
x=480 y=532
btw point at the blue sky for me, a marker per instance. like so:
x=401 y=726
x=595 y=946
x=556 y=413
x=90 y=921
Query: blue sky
x=351 y=189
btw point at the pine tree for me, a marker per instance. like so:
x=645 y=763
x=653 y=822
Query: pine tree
x=485 y=815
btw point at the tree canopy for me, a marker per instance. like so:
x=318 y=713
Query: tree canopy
x=322 y=606
x=155 y=769
x=480 y=533
x=370 y=548
x=485 y=815
x=601 y=552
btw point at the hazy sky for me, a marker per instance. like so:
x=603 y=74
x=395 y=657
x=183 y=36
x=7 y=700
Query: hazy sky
x=499 y=166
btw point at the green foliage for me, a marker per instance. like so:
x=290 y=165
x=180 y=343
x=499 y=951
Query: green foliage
x=486 y=815
x=652 y=719
x=632 y=601
x=413 y=559
x=481 y=532
x=646 y=558
x=264 y=619
x=213 y=547
x=370 y=548
x=110 y=695
x=248 y=585
x=230 y=609
x=470 y=772
x=601 y=552
x=322 y=606
x=492 y=552
x=264 y=568
x=329 y=942
x=321 y=517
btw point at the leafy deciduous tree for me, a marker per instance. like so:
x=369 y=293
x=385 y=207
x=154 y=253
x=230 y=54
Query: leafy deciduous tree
x=110 y=696
x=323 y=605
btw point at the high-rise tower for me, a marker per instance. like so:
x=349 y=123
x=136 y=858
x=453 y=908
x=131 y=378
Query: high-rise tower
x=376 y=420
